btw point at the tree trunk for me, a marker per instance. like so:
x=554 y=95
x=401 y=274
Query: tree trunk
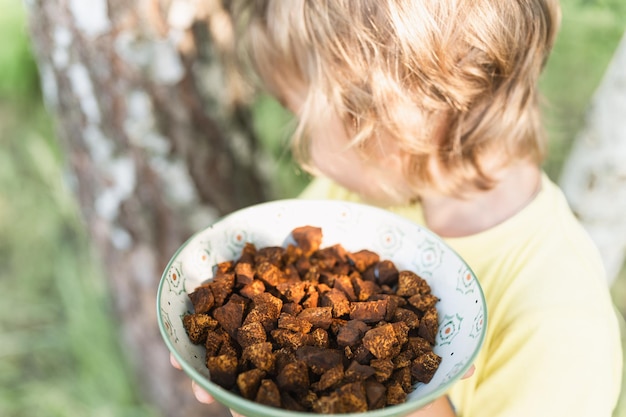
x=159 y=144
x=594 y=175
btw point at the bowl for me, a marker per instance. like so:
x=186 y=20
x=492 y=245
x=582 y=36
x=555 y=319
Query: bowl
x=461 y=309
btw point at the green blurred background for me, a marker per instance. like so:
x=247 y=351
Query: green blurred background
x=59 y=353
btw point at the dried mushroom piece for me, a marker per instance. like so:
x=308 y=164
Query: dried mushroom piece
x=314 y=329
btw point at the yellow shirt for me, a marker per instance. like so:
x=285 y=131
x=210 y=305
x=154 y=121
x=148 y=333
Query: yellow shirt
x=552 y=346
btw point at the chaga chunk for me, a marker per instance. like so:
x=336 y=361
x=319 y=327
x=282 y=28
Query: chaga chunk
x=408 y=317
x=383 y=273
x=318 y=359
x=283 y=356
x=403 y=360
x=244 y=273
x=223 y=370
x=319 y=338
x=293 y=309
x=382 y=341
x=222 y=287
x=266 y=310
x=401 y=330
x=197 y=326
x=214 y=341
x=424 y=367
x=364 y=289
x=352 y=398
x=344 y=283
x=383 y=367
x=368 y=311
x=248 y=382
x=409 y=284
x=363 y=259
x=351 y=333
x=202 y=299
x=295 y=324
x=349 y=398
x=403 y=377
x=429 y=325
x=291 y=255
x=256 y=287
x=230 y=315
x=269 y=273
x=395 y=393
x=270 y=254
x=423 y=302
x=250 y=334
x=313 y=329
x=337 y=300
x=419 y=346
x=290 y=403
x=294 y=377
x=326 y=258
x=293 y=291
x=308 y=238
x=320 y=317
x=260 y=355
x=247 y=253
x=268 y=394
x=376 y=394
x=311 y=300
x=359 y=372
x=288 y=339
x=329 y=379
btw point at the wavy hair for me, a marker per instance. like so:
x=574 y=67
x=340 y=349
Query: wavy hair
x=452 y=82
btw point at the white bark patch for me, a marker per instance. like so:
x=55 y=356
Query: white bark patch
x=62 y=39
x=83 y=88
x=160 y=58
x=177 y=183
x=91 y=16
x=132 y=50
x=166 y=66
x=100 y=147
x=120 y=238
x=49 y=87
x=140 y=124
x=121 y=180
x=594 y=177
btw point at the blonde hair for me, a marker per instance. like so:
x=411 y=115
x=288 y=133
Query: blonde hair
x=451 y=81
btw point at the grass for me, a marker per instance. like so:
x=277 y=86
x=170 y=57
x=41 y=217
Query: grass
x=59 y=351
x=59 y=354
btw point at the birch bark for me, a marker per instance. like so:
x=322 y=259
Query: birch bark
x=159 y=142
x=594 y=175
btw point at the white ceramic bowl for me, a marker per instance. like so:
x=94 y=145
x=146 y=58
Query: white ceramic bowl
x=462 y=309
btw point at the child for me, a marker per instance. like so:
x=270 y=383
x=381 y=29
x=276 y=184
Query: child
x=430 y=108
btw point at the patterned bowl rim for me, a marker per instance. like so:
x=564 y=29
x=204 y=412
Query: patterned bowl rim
x=251 y=408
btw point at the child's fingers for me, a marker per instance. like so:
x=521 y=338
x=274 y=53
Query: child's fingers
x=201 y=395
x=174 y=362
x=235 y=414
x=469 y=372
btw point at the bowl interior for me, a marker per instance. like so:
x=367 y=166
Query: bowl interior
x=462 y=309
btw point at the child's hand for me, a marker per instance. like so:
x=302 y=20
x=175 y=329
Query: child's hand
x=201 y=395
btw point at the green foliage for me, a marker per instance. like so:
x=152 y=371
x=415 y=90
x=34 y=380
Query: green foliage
x=590 y=33
x=18 y=72
x=274 y=125
x=60 y=354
